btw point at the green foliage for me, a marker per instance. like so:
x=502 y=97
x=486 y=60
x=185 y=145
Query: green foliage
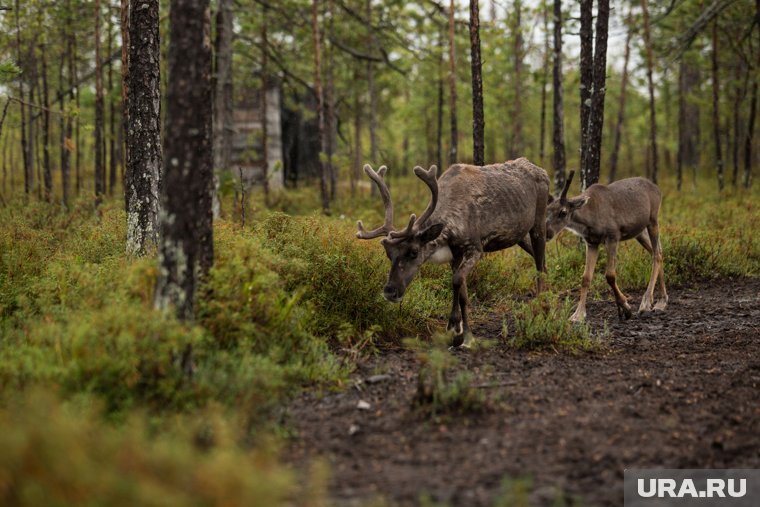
x=342 y=278
x=61 y=454
x=441 y=391
x=77 y=314
x=543 y=324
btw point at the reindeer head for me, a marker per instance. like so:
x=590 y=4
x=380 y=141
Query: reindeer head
x=560 y=210
x=410 y=248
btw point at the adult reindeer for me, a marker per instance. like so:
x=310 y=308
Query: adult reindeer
x=609 y=214
x=472 y=210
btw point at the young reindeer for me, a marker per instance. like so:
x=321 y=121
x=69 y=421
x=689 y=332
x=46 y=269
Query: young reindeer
x=472 y=210
x=609 y=214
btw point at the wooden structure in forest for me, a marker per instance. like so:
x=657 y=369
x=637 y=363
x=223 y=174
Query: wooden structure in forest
x=247 y=138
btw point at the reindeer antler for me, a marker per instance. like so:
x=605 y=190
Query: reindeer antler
x=563 y=195
x=387 y=227
x=430 y=177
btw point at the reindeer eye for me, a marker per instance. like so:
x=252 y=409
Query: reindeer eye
x=562 y=213
x=413 y=253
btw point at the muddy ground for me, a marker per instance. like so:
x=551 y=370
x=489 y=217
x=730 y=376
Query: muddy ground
x=679 y=389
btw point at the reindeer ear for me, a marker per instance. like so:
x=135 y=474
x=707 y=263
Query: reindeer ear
x=430 y=233
x=550 y=200
x=578 y=202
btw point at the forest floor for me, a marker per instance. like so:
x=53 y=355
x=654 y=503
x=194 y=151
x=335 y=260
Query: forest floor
x=677 y=389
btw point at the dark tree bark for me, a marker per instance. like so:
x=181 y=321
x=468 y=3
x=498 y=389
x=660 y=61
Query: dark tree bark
x=265 y=104
x=544 y=82
x=46 y=170
x=740 y=90
x=223 y=98
x=515 y=142
x=650 y=86
x=186 y=245
x=587 y=77
x=125 y=92
x=716 y=108
x=372 y=94
x=478 y=122
x=142 y=177
x=453 y=149
x=558 y=128
x=330 y=123
x=749 y=137
x=439 y=112
x=358 y=155
x=590 y=172
x=111 y=115
x=77 y=123
x=688 y=121
x=28 y=180
x=99 y=166
x=621 y=106
x=320 y=102
x=64 y=121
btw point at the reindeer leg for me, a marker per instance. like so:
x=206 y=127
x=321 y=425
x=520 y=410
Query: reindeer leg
x=538 y=244
x=663 y=302
x=592 y=253
x=459 y=318
x=624 y=309
x=654 y=237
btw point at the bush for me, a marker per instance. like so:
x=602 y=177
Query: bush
x=543 y=324
x=56 y=455
x=440 y=390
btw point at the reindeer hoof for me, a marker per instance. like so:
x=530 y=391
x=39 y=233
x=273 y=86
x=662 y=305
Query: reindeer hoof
x=624 y=313
x=457 y=341
x=660 y=306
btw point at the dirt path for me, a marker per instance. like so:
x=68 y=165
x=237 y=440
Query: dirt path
x=680 y=389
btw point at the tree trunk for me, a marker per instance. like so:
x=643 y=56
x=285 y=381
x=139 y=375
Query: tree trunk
x=544 y=82
x=478 y=122
x=621 y=106
x=558 y=128
x=223 y=106
x=320 y=103
x=264 y=105
x=716 y=107
x=77 y=124
x=99 y=166
x=590 y=172
x=358 y=156
x=330 y=124
x=142 y=178
x=186 y=245
x=46 y=170
x=111 y=115
x=372 y=95
x=688 y=120
x=587 y=79
x=650 y=85
x=439 y=112
x=453 y=149
x=28 y=183
x=515 y=142
x=125 y=6
x=740 y=90
x=749 y=136
x=64 y=121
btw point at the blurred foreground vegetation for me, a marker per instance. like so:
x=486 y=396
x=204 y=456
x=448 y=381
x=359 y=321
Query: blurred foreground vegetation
x=105 y=401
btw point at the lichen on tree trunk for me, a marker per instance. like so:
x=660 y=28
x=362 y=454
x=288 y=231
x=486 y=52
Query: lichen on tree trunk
x=186 y=245
x=143 y=174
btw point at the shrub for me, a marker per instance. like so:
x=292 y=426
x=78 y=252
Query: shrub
x=440 y=390
x=543 y=324
x=56 y=454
